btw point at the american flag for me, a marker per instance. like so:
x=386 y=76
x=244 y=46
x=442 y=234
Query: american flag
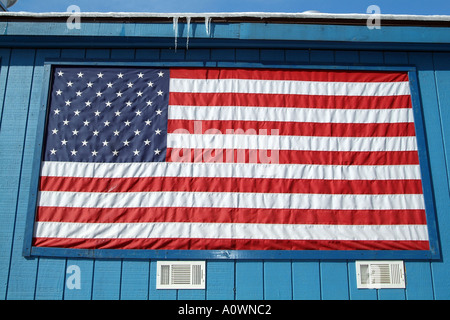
x=230 y=158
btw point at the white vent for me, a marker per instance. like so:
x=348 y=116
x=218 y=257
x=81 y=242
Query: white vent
x=180 y=275
x=380 y=274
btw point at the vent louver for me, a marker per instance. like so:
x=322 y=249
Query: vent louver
x=380 y=274
x=180 y=275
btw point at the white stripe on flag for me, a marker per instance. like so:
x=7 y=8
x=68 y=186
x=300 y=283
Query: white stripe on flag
x=230 y=231
x=231 y=200
x=236 y=113
x=226 y=170
x=276 y=142
x=290 y=87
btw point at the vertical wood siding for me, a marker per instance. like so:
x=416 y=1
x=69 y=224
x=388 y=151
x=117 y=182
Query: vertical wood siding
x=21 y=78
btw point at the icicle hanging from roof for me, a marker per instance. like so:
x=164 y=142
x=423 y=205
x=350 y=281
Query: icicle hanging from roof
x=188 y=28
x=208 y=24
x=175 y=30
x=188 y=21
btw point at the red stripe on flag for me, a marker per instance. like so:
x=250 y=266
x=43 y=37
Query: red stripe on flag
x=294 y=156
x=293 y=128
x=231 y=215
x=289 y=100
x=227 y=244
x=288 y=75
x=214 y=184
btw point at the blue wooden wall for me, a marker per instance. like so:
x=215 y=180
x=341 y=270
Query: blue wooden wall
x=21 y=85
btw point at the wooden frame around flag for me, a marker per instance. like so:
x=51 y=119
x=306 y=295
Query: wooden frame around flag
x=433 y=253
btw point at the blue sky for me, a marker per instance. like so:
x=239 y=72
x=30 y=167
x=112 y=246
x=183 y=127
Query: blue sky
x=421 y=7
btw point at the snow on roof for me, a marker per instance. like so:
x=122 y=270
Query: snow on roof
x=230 y=15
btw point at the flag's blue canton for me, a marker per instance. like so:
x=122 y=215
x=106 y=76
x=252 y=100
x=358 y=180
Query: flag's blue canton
x=107 y=115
